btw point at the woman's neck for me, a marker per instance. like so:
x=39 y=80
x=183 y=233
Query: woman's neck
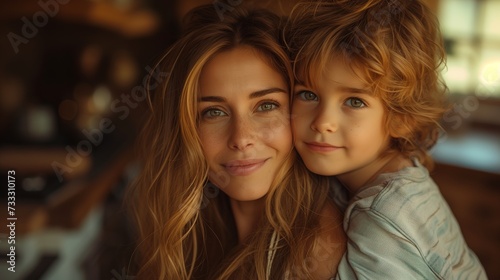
x=247 y=215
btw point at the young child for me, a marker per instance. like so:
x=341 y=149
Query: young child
x=367 y=103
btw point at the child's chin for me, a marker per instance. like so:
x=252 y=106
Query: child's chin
x=320 y=170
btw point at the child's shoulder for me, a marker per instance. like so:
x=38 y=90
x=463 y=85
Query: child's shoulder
x=408 y=189
x=407 y=204
x=408 y=194
x=405 y=215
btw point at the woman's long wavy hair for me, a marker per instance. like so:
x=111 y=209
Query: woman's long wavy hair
x=185 y=225
x=395 y=45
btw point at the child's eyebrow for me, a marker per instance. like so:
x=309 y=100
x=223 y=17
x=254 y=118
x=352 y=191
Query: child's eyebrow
x=301 y=84
x=354 y=90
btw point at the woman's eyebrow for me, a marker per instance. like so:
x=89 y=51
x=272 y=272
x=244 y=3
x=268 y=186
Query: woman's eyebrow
x=212 y=99
x=264 y=92
x=255 y=94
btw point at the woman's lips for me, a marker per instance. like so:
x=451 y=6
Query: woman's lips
x=321 y=147
x=243 y=167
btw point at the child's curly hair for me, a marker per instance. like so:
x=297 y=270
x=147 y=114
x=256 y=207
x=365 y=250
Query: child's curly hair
x=395 y=45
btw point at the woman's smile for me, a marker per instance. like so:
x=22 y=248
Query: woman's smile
x=244 y=167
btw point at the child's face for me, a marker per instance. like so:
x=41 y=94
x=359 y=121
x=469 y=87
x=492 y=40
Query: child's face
x=244 y=122
x=338 y=126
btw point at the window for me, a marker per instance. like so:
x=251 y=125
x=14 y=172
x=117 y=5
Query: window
x=471 y=29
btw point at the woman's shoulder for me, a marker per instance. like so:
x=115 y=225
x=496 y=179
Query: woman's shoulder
x=331 y=218
x=330 y=243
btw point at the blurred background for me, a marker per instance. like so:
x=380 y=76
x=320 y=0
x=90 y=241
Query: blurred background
x=72 y=80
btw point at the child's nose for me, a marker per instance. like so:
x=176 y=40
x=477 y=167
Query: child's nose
x=326 y=120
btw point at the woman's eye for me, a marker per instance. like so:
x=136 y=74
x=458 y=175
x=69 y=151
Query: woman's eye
x=355 y=102
x=213 y=113
x=307 y=95
x=268 y=106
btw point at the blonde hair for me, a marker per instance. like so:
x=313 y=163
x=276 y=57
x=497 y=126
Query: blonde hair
x=185 y=226
x=395 y=46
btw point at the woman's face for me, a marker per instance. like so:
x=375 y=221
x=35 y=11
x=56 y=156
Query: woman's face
x=244 y=126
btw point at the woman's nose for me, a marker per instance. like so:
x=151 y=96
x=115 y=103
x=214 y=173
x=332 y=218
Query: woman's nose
x=242 y=133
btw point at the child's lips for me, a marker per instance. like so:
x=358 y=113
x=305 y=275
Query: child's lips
x=321 y=147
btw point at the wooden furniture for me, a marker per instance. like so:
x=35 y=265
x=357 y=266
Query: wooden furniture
x=68 y=206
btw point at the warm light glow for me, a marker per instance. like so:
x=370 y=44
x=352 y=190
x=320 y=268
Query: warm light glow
x=490 y=73
x=101 y=99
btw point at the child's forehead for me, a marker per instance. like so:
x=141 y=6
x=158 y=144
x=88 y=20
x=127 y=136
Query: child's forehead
x=336 y=69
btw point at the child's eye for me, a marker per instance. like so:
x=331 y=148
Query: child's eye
x=211 y=113
x=267 y=106
x=355 y=102
x=307 y=95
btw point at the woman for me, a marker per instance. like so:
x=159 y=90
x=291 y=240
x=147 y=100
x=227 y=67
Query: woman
x=221 y=195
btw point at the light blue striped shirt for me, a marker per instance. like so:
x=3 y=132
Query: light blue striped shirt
x=400 y=227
